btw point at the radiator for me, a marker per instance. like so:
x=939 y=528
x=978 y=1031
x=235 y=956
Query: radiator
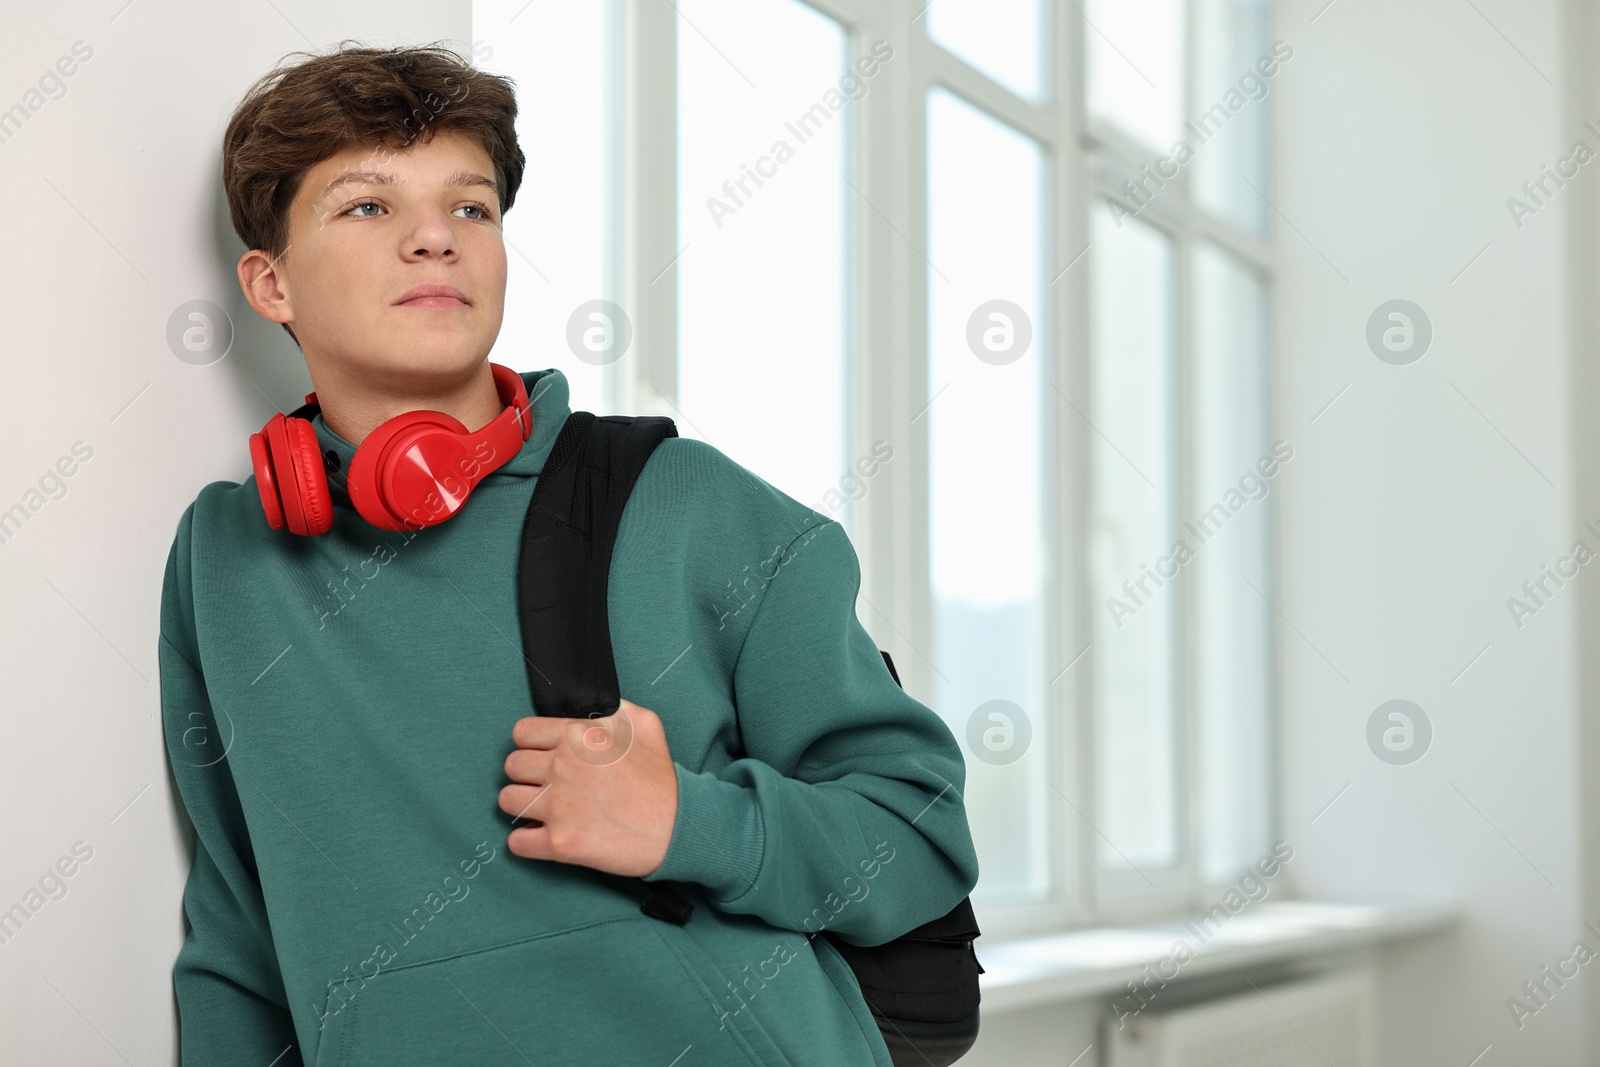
x=1305 y=1022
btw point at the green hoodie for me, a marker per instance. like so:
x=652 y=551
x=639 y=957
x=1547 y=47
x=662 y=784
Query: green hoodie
x=338 y=711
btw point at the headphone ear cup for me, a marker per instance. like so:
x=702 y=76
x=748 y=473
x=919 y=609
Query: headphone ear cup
x=376 y=490
x=311 y=496
x=266 y=479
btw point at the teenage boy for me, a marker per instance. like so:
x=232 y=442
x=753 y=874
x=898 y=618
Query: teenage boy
x=347 y=709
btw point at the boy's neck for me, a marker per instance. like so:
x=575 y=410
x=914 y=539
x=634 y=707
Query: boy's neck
x=354 y=409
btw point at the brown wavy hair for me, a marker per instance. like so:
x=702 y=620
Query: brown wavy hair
x=297 y=115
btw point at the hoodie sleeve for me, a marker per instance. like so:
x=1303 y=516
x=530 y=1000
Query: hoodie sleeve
x=846 y=812
x=231 y=1003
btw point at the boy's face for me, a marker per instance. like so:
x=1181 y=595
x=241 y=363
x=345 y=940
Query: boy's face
x=356 y=248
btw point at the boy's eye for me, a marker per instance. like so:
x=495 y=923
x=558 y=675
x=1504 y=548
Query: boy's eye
x=483 y=211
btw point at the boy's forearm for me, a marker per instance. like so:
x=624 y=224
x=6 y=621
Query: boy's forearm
x=847 y=813
x=841 y=856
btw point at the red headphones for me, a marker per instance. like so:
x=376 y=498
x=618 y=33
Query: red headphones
x=415 y=470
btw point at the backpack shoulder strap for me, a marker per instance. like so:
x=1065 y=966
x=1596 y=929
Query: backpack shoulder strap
x=565 y=558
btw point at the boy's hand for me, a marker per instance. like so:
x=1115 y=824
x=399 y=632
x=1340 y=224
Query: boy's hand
x=604 y=791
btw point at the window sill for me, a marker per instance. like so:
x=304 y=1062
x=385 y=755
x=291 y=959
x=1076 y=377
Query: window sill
x=1098 y=961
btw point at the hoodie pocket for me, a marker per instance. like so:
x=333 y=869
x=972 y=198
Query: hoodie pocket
x=744 y=1027
x=611 y=992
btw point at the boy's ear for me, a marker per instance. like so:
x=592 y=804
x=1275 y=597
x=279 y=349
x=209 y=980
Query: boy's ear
x=263 y=285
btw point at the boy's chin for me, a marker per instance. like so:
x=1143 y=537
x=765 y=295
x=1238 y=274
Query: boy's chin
x=414 y=357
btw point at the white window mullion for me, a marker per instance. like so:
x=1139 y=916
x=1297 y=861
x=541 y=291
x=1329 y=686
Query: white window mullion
x=1276 y=744
x=889 y=205
x=647 y=384
x=1071 y=690
x=1188 y=763
x=1186 y=721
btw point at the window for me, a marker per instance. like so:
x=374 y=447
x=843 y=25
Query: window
x=1180 y=451
x=761 y=272
x=1003 y=38
x=987 y=343
x=990 y=288
x=556 y=261
x=1133 y=463
x=1231 y=623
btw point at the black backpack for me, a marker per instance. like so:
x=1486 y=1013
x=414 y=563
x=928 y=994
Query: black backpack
x=922 y=987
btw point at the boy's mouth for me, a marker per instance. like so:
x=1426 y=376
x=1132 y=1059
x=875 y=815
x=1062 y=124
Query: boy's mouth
x=433 y=296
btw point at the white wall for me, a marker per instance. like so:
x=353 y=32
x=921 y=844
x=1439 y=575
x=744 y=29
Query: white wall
x=114 y=217
x=1047 y=1035
x=1423 y=498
